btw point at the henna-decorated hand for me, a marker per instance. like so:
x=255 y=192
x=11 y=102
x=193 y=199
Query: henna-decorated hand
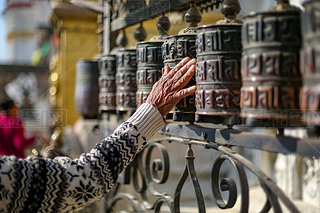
x=167 y=92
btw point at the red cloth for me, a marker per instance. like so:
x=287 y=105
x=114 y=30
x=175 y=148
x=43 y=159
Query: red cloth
x=12 y=139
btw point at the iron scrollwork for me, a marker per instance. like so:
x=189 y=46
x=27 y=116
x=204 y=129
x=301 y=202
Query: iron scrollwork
x=228 y=184
x=144 y=174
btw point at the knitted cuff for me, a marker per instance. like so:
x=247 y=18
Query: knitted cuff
x=147 y=119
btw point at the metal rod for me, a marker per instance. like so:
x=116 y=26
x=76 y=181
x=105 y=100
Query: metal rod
x=106 y=27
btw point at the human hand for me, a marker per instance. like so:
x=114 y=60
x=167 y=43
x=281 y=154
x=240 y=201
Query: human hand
x=167 y=92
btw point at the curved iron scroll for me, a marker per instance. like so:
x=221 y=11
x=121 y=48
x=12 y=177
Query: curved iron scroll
x=228 y=184
x=145 y=176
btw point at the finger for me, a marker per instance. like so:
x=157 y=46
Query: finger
x=183 y=70
x=183 y=81
x=166 y=70
x=185 y=92
x=178 y=66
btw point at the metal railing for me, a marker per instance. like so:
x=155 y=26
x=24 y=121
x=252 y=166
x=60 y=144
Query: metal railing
x=146 y=172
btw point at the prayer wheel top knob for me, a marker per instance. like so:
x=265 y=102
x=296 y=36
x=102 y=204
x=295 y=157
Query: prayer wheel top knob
x=230 y=9
x=163 y=26
x=140 y=33
x=122 y=39
x=283 y=5
x=193 y=17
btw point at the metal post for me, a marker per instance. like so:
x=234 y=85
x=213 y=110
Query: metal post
x=106 y=27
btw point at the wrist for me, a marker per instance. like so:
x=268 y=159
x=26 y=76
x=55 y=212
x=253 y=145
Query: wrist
x=147 y=119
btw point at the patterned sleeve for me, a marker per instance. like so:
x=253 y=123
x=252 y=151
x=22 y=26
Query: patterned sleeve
x=65 y=185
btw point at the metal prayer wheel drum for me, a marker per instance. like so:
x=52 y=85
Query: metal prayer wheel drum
x=310 y=66
x=87 y=88
x=149 y=60
x=174 y=49
x=107 y=83
x=126 y=80
x=218 y=69
x=177 y=47
x=149 y=68
x=270 y=68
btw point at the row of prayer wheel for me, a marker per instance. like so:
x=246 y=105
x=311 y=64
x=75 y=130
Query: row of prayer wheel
x=310 y=65
x=255 y=72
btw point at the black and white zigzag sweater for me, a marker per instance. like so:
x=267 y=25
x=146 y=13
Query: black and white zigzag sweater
x=65 y=185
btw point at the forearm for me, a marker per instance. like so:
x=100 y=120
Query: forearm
x=102 y=165
x=71 y=184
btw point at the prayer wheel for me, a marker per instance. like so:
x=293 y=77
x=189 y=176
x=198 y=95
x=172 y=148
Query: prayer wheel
x=310 y=66
x=270 y=67
x=149 y=61
x=218 y=68
x=107 y=83
x=126 y=80
x=150 y=64
x=174 y=49
x=87 y=88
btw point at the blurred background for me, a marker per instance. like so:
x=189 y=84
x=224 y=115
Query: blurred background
x=41 y=42
x=26 y=47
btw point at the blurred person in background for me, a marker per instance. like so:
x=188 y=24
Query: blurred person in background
x=12 y=135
